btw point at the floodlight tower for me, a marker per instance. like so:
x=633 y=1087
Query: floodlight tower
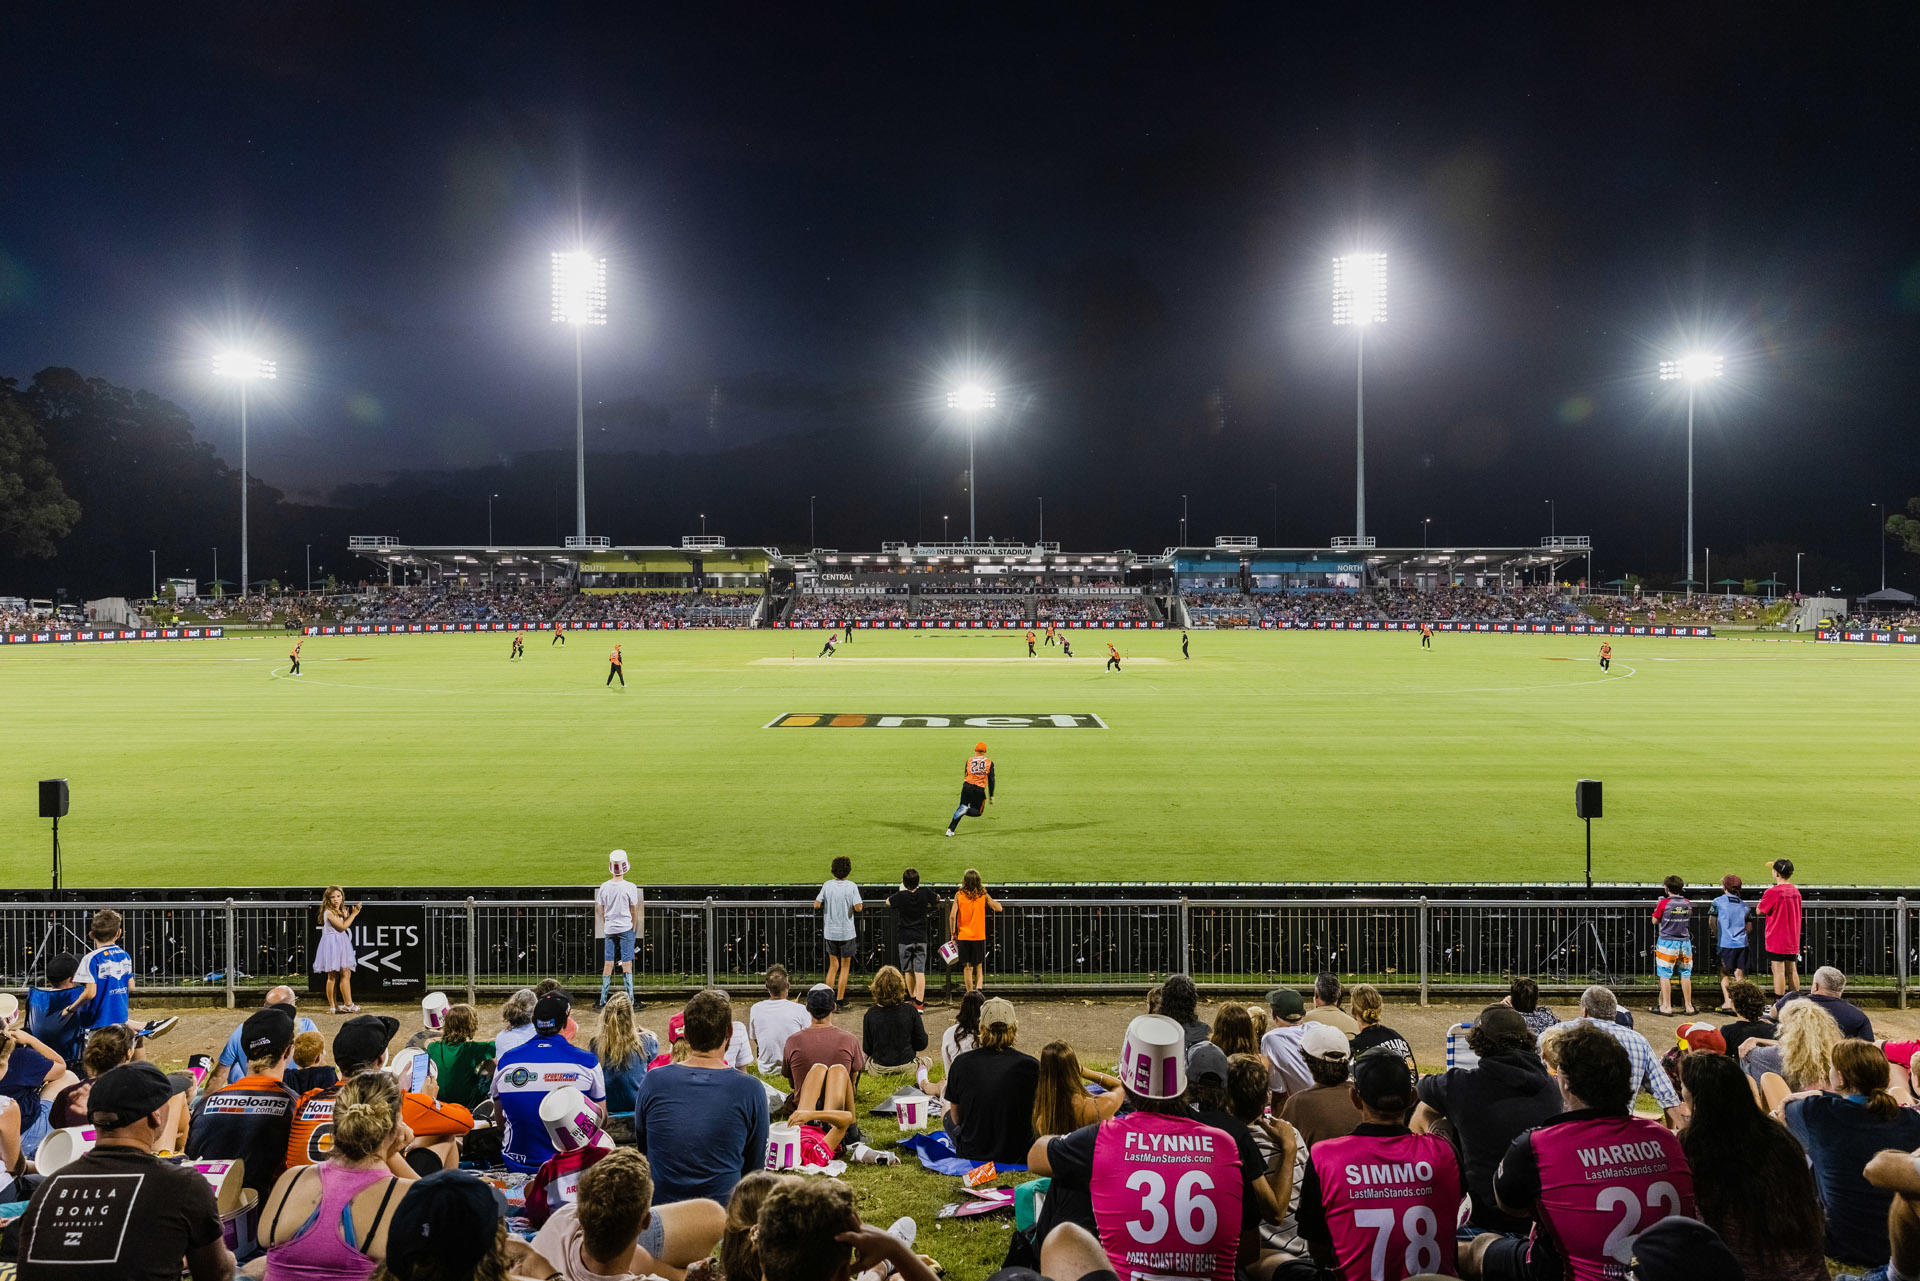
x=971 y=400
x=1692 y=370
x=243 y=369
x=1360 y=300
x=579 y=299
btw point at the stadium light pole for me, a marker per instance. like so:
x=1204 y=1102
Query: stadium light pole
x=812 y=540
x=1360 y=300
x=1692 y=370
x=971 y=400
x=579 y=299
x=1880 y=528
x=1553 y=519
x=943 y=528
x=153 y=556
x=1796 y=572
x=1043 y=520
x=243 y=369
x=1183 y=520
x=1425 y=526
x=309 y=568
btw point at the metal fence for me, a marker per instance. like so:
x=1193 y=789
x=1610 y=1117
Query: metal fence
x=1404 y=946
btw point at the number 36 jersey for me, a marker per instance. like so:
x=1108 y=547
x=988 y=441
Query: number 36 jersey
x=1389 y=1199
x=1167 y=1194
x=1597 y=1181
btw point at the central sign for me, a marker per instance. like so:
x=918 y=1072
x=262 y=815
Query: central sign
x=956 y=720
x=389 y=950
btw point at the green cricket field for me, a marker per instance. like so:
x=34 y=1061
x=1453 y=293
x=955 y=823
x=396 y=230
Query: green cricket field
x=740 y=757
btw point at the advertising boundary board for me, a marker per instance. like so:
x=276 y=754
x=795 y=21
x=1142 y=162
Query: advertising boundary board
x=89 y=635
x=962 y=625
x=1867 y=636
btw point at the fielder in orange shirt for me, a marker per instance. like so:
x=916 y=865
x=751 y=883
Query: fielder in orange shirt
x=976 y=787
x=614 y=668
x=1113 y=657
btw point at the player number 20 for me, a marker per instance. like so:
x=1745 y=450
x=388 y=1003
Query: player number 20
x=1422 y=1228
x=1619 y=1241
x=1193 y=1213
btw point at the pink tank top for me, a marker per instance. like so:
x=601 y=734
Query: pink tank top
x=1167 y=1197
x=319 y=1251
x=1391 y=1201
x=1603 y=1181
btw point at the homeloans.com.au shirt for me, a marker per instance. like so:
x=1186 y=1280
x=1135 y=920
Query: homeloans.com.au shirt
x=247 y=1121
x=117 y=1214
x=525 y=1075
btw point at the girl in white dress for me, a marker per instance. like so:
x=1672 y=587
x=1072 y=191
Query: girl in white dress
x=334 y=957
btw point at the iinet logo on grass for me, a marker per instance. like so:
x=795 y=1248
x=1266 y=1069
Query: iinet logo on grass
x=873 y=720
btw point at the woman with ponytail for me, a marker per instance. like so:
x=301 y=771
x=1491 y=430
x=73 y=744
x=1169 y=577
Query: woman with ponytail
x=1842 y=1130
x=328 y=1222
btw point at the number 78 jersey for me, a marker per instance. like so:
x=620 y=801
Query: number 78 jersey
x=1167 y=1198
x=1391 y=1201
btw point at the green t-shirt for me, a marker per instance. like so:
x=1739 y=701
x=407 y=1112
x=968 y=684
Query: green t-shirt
x=459 y=1069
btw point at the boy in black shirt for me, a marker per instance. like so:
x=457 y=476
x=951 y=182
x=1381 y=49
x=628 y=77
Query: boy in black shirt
x=912 y=904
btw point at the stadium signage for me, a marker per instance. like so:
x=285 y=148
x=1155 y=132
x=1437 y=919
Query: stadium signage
x=962 y=624
x=389 y=948
x=68 y=637
x=956 y=720
x=1468 y=625
x=531 y=625
x=1868 y=637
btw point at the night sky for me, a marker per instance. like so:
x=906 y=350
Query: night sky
x=1122 y=214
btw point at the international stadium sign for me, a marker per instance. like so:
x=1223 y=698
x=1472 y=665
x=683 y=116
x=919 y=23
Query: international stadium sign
x=953 y=720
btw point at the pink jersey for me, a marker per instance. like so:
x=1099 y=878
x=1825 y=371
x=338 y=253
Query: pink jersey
x=1603 y=1181
x=1391 y=1202
x=1167 y=1197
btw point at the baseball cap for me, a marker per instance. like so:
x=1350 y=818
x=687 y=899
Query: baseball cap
x=62 y=967
x=1702 y=1036
x=1324 y=1042
x=820 y=1002
x=1153 y=1058
x=449 y=1217
x=1676 y=1248
x=1731 y=883
x=550 y=1013
x=979 y=747
x=267 y=1033
x=676 y=1026
x=617 y=861
x=1384 y=1081
x=1286 y=1004
x=124 y=1094
x=997 y=1011
x=1207 y=1062
x=363 y=1039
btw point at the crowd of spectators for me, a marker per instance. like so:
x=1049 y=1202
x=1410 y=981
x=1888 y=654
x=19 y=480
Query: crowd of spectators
x=1517 y=604
x=811 y=610
x=652 y=609
x=448 y=603
x=1700 y=610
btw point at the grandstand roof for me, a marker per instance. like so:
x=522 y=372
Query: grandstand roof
x=1439 y=560
x=467 y=558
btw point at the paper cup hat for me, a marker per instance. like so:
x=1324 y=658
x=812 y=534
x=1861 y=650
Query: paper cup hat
x=617 y=862
x=570 y=1122
x=9 y=1006
x=1153 y=1058
x=783 y=1146
x=433 y=1010
x=910 y=1111
x=63 y=1147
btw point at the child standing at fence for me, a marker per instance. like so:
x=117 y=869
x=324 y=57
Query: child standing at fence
x=1673 y=948
x=334 y=957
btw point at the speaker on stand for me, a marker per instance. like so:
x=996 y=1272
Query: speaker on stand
x=53 y=805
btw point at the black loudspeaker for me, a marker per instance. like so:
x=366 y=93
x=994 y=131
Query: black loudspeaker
x=1586 y=798
x=53 y=798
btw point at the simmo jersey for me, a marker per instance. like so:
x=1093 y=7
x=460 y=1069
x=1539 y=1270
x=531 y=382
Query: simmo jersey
x=1166 y=1198
x=1390 y=1202
x=1603 y=1181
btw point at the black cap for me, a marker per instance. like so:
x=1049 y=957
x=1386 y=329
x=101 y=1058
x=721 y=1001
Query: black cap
x=267 y=1033
x=449 y=1217
x=820 y=1002
x=364 y=1039
x=1384 y=1081
x=1676 y=1248
x=550 y=1013
x=125 y=1094
x=62 y=967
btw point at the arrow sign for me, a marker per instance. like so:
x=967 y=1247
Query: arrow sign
x=389 y=951
x=373 y=961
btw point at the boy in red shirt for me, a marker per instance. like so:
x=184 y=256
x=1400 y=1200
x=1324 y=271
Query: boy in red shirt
x=1780 y=909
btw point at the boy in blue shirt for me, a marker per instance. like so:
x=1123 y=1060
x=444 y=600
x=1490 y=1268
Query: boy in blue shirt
x=107 y=974
x=1732 y=914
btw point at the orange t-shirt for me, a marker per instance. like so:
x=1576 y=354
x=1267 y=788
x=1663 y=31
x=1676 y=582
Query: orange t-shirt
x=614 y=657
x=978 y=767
x=972 y=913
x=310 y=1141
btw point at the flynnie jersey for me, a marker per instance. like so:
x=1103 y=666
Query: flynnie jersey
x=1602 y=1181
x=979 y=769
x=1167 y=1198
x=1390 y=1201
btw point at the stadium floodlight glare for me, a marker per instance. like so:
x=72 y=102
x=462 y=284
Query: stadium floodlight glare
x=970 y=400
x=1360 y=300
x=1692 y=369
x=243 y=368
x=579 y=299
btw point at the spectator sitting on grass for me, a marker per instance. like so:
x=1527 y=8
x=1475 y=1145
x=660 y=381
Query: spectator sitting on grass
x=448 y=1227
x=434 y=1129
x=701 y=1124
x=808 y=1231
x=32 y=1074
x=892 y=1033
x=1326 y=1109
x=57 y=1012
x=1179 y=1001
x=1233 y=1031
x=1326 y=1005
x=772 y=1021
x=1598 y=1007
x=1523 y=994
x=624 y=1050
x=1799 y=1059
x=822 y=1043
x=250 y=1119
x=990 y=1090
x=459 y=1060
x=1282 y=1164
x=1842 y=1130
x=965 y=1032
x=1828 y=984
x=1751 y=1019
x=739 y=1252
x=516 y=1019
x=356 y=1183
x=1286 y=1063
x=1367 y=1009
x=612 y=1228
x=232 y=1064
x=524 y=1075
x=1061 y=1103
x=308 y=1072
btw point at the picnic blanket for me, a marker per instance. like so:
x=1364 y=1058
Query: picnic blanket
x=935 y=1151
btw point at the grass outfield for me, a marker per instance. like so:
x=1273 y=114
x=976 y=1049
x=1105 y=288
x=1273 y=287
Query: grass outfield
x=1268 y=756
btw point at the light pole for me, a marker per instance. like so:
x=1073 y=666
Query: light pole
x=1273 y=487
x=1796 y=572
x=1553 y=519
x=812 y=540
x=579 y=299
x=703 y=524
x=216 y=570
x=490 y=498
x=943 y=528
x=1880 y=528
x=309 y=569
x=1360 y=300
x=1043 y=520
x=1425 y=525
x=1692 y=370
x=971 y=400
x=153 y=556
x=244 y=369
x=1183 y=520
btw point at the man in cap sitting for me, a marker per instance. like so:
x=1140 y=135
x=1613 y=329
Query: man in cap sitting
x=249 y=1119
x=117 y=1213
x=1281 y=1047
x=1168 y=1192
x=526 y=1074
x=990 y=1089
x=434 y=1129
x=1326 y=1109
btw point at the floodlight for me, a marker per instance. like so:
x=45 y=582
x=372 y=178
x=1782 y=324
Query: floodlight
x=971 y=398
x=243 y=368
x=1694 y=368
x=579 y=288
x=235 y=364
x=1360 y=289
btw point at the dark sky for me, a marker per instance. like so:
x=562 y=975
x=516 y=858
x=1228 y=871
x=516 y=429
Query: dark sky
x=815 y=213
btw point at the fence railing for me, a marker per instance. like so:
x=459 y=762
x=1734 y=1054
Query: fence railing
x=1403 y=946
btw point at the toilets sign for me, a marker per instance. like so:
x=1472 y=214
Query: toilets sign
x=389 y=949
